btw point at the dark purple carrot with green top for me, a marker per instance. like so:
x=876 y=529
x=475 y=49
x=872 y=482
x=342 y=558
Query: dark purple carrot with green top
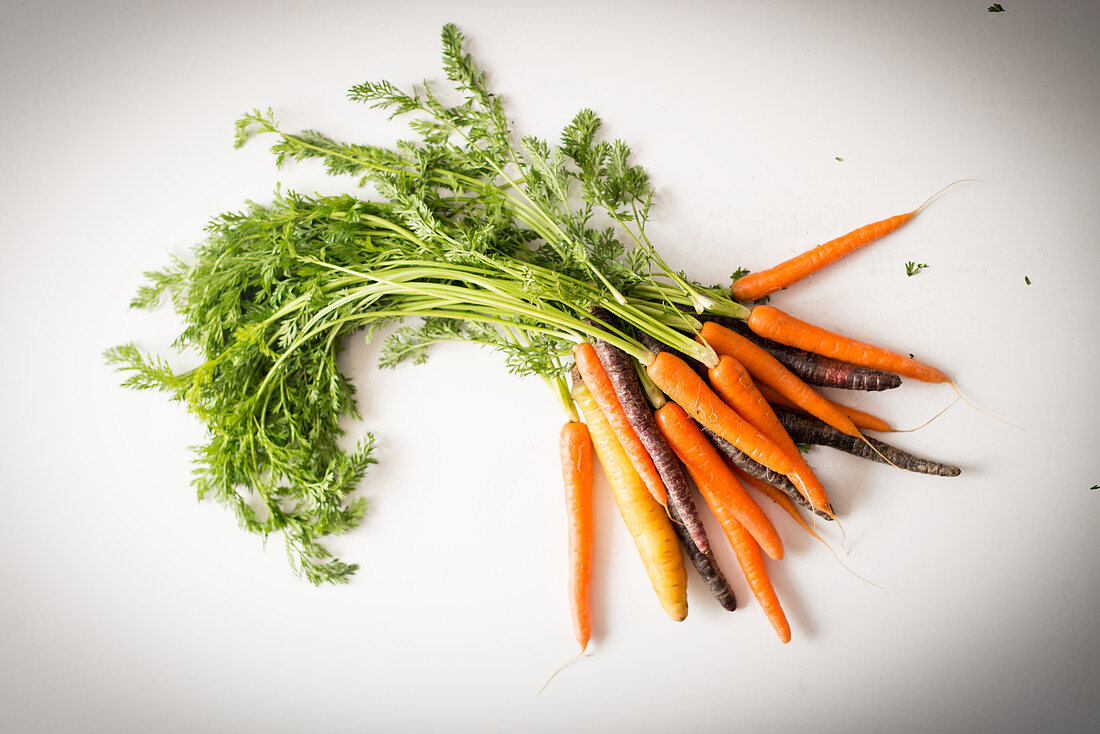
x=620 y=370
x=805 y=428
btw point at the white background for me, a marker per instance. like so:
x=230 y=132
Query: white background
x=126 y=605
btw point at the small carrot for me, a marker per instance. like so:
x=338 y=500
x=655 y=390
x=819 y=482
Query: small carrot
x=767 y=370
x=771 y=323
x=684 y=386
x=759 y=284
x=862 y=420
x=645 y=519
x=603 y=392
x=732 y=382
x=713 y=478
x=575 y=447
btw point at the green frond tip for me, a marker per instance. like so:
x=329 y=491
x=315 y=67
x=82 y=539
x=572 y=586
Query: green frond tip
x=251 y=123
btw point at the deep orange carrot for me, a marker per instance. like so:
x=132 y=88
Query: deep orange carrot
x=862 y=420
x=733 y=384
x=714 y=479
x=575 y=447
x=756 y=573
x=684 y=386
x=759 y=284
x=603 y=392
x=771 y=323
x=767 y=370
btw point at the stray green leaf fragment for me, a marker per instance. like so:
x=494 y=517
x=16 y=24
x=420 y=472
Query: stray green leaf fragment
x=995 y=8
x=912 y=268
x=1027 y=280
x=1095 y=486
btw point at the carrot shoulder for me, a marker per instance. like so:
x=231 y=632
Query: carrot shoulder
x=575 y=448
x=771 y=323
x=714 y=479
x=645 y=518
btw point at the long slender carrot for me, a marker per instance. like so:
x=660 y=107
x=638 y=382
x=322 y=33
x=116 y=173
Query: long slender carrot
x=684 y=386
x=732 y=382
x=759 y=284
x=603 y=392
x=756 y=573
x=714 y=479
x=575 y=447
x=862 y=420
x=770 y=322
x=767 y=370
x=645 y=519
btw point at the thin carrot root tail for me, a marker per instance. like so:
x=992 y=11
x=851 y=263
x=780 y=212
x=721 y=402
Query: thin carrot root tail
x=981 y=410
x=945 y=188
x=843 y=536
x=562 y=667
x=922 y=425
x=845 y=566
x=880 y=454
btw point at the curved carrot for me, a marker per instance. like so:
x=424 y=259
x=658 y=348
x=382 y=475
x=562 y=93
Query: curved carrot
x=759 y=284
x=776 y=325
x=732 y=382
x=603 y=392
x=861 y=420
x=714 y=479
x=767 y=369
x=575 y=447
x=645 y=519
x=684 y=386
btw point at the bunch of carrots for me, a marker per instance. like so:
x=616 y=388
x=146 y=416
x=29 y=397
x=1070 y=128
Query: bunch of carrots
x=484 y=235
x=737 y=423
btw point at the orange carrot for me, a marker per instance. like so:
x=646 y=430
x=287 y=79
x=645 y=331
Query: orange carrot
x=575 y=446
x=714 y=479
x=766 y=369
x=752 y=565
x=863 y=421
x=776 y=325
x=603 y=392
x=759 y=284
x=684 y=386
x=732 y=382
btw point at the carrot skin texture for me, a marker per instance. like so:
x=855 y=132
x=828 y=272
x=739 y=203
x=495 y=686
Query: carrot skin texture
x=807 y=429
x=767 y=370
x=685 y=387
x=603 y=392
x=753 y=566
x=714 y=479
x=734 y=385
x=814 y=369
x=738 y=459
x=761 y=283
x=771 y=323
x=620 y=370
x=645 y=519
x=575 y=448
